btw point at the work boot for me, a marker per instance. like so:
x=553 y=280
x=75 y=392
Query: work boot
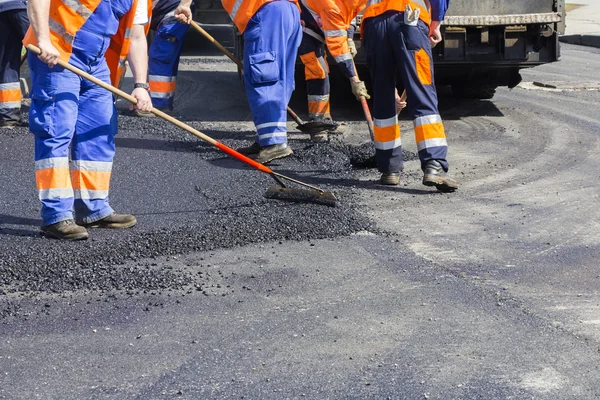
x=390 y=179
x=270 y=153
x=113 y=221
x=249 y=150
x=319 y=137
x=434 y=175
x=65 y=230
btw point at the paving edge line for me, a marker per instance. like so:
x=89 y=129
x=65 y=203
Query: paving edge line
x=582 y=40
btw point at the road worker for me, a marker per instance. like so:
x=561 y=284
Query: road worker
x=13 y=25
x=69 y=113
x=398 y=36
x=272 y=34
x=328 y=22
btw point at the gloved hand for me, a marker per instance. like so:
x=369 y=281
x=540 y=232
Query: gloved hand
x=352 y=47
x=359 y=90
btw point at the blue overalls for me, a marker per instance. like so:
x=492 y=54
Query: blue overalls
x=271 y=41
x=70 y=113
x=13 y=25
x=393 y=46
x=164 y=53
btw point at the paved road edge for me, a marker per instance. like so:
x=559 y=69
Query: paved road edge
x=583 y=40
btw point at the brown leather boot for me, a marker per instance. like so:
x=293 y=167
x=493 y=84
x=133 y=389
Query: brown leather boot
x=391 y=179
x=113 y=221
x=65 y=230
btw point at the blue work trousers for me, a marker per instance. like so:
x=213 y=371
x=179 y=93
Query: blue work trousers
x=271 y=41
x=70 y=116
x=395 y=48
x=13 y=25
x=163 y=61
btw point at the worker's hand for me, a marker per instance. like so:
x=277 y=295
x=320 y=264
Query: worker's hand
x=183 y=13
x=48 y=53
x=144 y=103
x=359 y=90
x=435 y=36
x=352 y=47
x=400 y=103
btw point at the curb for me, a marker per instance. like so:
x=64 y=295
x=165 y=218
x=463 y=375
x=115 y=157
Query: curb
x=582 y=40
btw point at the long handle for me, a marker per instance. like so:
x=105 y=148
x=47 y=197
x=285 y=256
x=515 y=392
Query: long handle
x=162 y=115
x=211 y=39
x=367 y=112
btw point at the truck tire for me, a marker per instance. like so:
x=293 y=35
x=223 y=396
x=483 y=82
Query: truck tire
x=473 y=91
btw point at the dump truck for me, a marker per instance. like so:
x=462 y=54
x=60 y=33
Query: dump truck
x=485 y=42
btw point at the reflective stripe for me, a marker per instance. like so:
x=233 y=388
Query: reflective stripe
x=87 y=194
x=312 y=33
x=319 y=98
x=160 y=78
x=271 y=124
x=162 y=95
x=235 y=9
x=55 y=193
x=335 y=33
x=9 y=105
x=78 y=8
x=343 y=57
x=384 y=123
x=388 y=145
x=99 y=166
x=10 y=86
x=323 y=63
x=127 y=33
x=54 y=162
x=61 y=31
x=429 y=143
x=427 y=119
x=272 y=135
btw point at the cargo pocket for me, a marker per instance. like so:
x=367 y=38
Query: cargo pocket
x=423 y=64
x=264 y=68
x=41 y=111
x=313 y=68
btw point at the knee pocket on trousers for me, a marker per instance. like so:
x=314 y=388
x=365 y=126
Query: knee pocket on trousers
x=423 y=66
x=313 y=68
x=264 y=67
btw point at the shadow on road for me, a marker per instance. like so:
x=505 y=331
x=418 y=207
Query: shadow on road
x=19 y=221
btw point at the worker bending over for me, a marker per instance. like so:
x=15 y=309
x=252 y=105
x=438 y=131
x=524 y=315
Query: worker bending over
x=398 y=35
x=272 y=34
x=164 y=53
x=13 y=25
x=328 y=22
x=70 y=113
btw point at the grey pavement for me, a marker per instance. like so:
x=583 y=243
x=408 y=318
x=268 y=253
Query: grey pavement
x=583 y=24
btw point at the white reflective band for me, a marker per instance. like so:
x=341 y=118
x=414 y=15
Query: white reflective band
x=78 y=8
x=319 y=98
x=272 y=135
x=271 y=124
x=316 y=115
x=161 y=95
x=335 y=33
x=384 y=123
x=55 y=162
x=9 y=105
x=343 y=57
x=61 y=31
x=427 y=119
x=312 y=33
x=160 y=78
x=323 y=63
x=392 y=144
x=429 y=143
x=86 y=194
x=10 y=86
x=98 y=166
x=127 y=33
x=235 y=9
x=61 y=193
x=373 y=2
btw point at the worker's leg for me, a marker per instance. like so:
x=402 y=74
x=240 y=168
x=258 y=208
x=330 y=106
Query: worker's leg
x=413 y=54
x=381 y=62
x=13 y=25
x=316 y=74
x=163 y=62
x=268 y=45
x=52 y=118
x=93 y=149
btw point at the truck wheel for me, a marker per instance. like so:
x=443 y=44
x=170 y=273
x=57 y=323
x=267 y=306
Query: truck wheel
x=471 y=91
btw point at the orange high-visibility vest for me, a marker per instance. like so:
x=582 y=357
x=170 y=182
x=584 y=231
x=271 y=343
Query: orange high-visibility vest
x=378 y=7
x=241 y=11
x=66 y=21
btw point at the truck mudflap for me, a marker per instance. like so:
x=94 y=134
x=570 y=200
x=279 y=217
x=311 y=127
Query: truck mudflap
x=492 y=20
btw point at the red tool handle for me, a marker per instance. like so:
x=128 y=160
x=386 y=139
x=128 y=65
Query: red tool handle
x=367 y=112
